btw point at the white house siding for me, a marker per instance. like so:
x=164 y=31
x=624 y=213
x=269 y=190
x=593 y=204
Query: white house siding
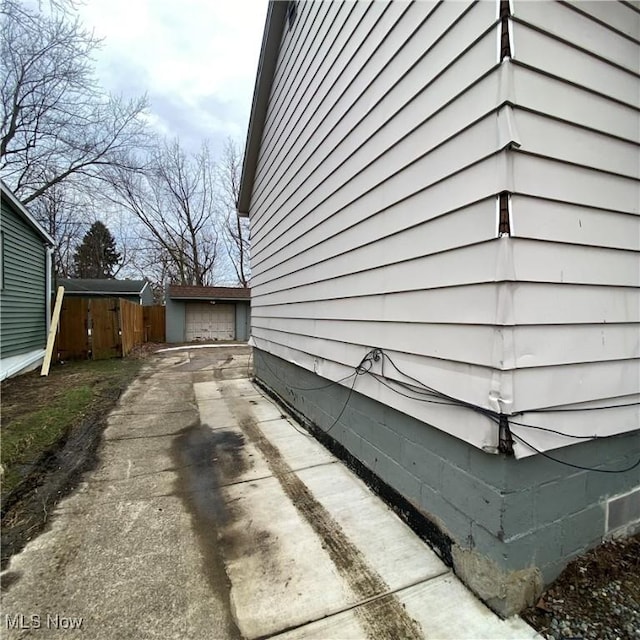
x=576 y=184
x=378 y=171
x=373 y=213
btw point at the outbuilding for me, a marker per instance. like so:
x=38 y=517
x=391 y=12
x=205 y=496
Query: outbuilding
x=138 y=291
x=25 y=287
x=207 y=313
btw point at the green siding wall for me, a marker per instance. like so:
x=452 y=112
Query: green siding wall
x=22 y=299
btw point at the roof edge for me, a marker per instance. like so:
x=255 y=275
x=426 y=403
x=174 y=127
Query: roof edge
x=108 y=294
x=276 y=18
x=208 y=298
x=13 y=199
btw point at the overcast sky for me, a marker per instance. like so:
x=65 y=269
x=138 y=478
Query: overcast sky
x=195 y=59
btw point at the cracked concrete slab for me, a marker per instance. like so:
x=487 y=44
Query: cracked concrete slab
x=117 y=554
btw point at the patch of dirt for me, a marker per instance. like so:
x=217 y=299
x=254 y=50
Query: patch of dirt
x=597 y=597
x=54 y=472
x=147 y=349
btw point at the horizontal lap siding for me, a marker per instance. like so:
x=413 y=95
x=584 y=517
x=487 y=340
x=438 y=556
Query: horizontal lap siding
x=550 y=345
x=373 y=211
x=472 y=304
x=576 y=185
x=379 y=165
x=366 y=220
x=370 y=162
x=459 y=422
x=23 y=306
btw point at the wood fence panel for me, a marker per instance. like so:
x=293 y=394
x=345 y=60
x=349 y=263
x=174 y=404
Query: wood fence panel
x=72 y=342
x=155 y=323
x=105 y=328
x=132 y=326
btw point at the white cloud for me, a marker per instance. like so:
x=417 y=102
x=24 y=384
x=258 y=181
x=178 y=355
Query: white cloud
x=196 y=59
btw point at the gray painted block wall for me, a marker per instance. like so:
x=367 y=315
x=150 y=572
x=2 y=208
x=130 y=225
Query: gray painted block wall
x=515 y=523
x=175 y=320
x=242 y=320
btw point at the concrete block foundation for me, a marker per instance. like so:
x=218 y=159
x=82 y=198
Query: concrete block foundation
x=507 y=526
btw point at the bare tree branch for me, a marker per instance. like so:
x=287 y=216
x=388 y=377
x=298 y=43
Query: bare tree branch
x=55 y=121
x=235 y=229
x=174 y=199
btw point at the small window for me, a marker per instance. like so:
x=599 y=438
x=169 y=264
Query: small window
x=292 y=12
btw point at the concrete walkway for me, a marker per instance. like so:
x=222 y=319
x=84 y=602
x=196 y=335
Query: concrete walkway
x=213 y=515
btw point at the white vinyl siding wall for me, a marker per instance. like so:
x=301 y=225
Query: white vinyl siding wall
x=374 y=213
x=378 y=170
x=576 y=184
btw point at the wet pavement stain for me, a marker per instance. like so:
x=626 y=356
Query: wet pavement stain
x=205 y=460
x=208 y=459
x=9 y=578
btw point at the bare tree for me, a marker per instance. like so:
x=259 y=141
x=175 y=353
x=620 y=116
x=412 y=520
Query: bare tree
x=63 y=213
x=235 y=230
x=55 y=122
x=175 y=202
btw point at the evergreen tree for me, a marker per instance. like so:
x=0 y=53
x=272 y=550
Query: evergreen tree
x=96 y=256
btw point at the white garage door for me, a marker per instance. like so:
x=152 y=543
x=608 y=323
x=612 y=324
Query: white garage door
x=206 y=321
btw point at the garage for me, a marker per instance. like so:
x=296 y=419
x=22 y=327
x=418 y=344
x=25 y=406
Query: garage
x=209 y=321
x=207 y=314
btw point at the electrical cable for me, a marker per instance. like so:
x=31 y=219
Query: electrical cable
x=304 y=433
x=377 y=354
x=335 y=422
x=552 y=410
x=571 y=464
x=493 y=415
x=380 y=379
x=560 y=433
x=360 y=370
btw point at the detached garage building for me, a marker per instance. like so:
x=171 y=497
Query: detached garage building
x=207 y=313
x=137 y=291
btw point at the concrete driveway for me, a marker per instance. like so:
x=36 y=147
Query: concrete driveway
x=212 y=514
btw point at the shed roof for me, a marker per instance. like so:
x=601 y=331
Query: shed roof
x=183 y=292
x=22 y=211
x=276 y=18
x=102 y=286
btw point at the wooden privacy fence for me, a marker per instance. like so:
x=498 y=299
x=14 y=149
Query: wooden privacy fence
x=101 y=328
x=154 y=323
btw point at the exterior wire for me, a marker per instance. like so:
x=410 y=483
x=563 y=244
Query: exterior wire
x=551 y=410
x=374 y=355
x=560 y=433
x=360 y=370
x=571 y=464
x=380 y=379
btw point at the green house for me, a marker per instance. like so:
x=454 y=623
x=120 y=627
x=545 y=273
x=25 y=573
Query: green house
x=25 y=287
